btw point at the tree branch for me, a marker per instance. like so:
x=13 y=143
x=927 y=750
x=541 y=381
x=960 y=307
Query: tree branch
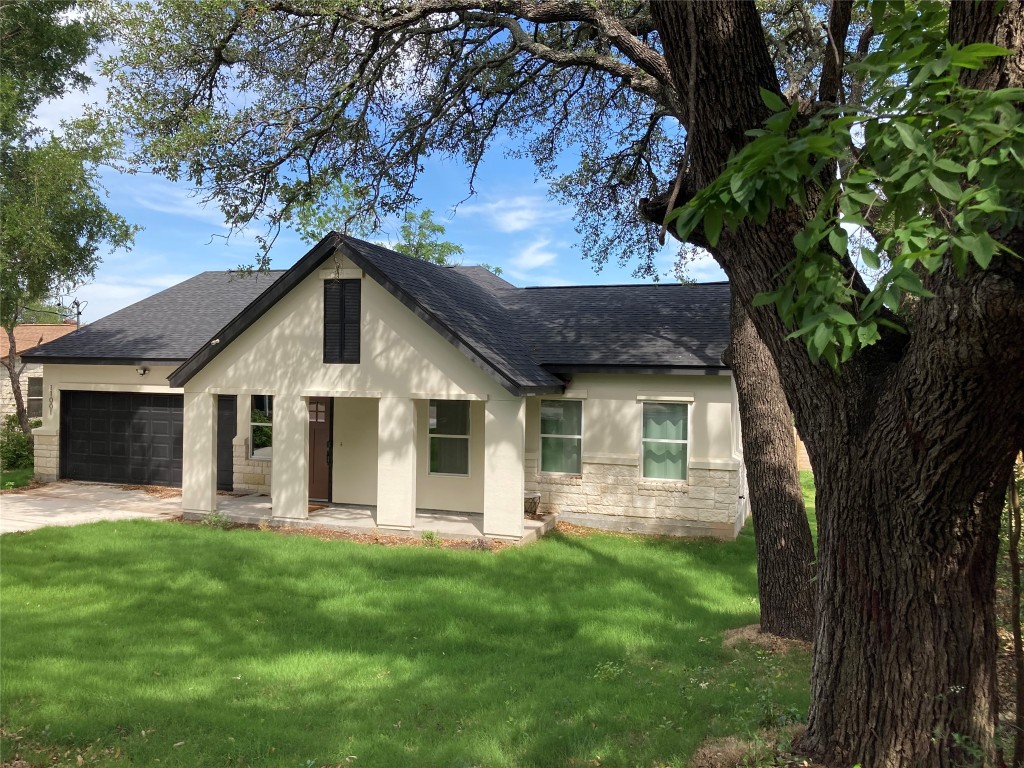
x=831 y=84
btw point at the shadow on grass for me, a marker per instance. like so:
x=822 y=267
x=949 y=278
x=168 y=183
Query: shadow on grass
x=257 y=649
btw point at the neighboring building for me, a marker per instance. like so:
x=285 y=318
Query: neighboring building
x=26 y=337
x=364 y=377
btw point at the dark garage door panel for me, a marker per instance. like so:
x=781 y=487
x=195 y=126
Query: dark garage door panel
x=121 y=437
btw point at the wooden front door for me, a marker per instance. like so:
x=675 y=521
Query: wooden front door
x=320 y=448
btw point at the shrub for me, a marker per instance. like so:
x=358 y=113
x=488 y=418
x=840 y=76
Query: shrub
x=15 y=445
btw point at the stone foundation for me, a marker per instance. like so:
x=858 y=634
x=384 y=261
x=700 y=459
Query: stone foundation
x=249 y=474
x=611 y=494
x=47 y=457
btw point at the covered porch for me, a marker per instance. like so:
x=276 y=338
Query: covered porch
x=379 y=463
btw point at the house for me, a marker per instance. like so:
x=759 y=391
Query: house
x=364 y=377
x=26 y=337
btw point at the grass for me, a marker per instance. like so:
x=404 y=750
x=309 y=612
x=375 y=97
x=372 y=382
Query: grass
x=15 y=478
x=154 y=644
x=807 y=486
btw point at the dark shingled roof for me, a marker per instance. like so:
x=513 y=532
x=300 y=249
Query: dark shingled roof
x=166 y=327
x=522 y=337
x=644 y=325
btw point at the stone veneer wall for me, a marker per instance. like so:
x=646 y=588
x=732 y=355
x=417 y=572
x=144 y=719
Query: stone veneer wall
x=46 y=449
x=611 y=494
x=249 y=474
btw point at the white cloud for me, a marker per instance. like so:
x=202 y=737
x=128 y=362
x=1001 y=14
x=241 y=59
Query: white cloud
x=518 y=213
x=533 y=256
x=164 y=197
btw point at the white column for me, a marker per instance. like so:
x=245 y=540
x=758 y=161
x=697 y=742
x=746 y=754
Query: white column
x=199 y=453
x=396 y=463
x=504 y=473
x=289 y=472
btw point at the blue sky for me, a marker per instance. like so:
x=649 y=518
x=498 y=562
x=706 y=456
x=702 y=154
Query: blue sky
x=510 y=223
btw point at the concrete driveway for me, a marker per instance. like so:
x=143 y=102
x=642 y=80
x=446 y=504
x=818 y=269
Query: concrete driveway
x=68 y=502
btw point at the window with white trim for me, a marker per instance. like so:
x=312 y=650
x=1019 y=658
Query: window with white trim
x=664 y=443
x=261 y=427
x=561 y=436
x=449 y=437
x=35 y=397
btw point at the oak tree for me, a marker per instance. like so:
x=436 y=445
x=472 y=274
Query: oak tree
x=263 y=104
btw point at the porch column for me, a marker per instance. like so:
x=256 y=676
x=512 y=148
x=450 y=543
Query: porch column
x=199 y=453
x=396 y=463
x=504 y=473
x=289 y=471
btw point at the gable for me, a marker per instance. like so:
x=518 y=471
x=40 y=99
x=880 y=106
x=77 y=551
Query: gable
x=473 y=335
x=400 y=355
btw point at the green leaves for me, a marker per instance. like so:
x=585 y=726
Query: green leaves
x=931 y=172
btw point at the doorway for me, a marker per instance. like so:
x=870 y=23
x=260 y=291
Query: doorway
x=320 y=421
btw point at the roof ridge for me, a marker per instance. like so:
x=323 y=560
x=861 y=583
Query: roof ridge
x=623 y=285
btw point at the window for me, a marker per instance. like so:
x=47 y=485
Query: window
x=35 y=397
x=449 y=437
x=341 y=321
x=664 y=444
x=561 y=436
x=261 y=426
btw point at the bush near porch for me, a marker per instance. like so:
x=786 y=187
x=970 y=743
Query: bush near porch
x=137 y=642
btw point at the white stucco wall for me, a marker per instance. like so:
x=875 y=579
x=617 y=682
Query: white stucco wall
x=401 y=358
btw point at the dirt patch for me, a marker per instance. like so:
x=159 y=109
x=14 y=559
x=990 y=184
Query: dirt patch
x=773 y=644
x=370 y=537
x=157 y=491
x=390 y=540
x=571 y=529
x=771 y=748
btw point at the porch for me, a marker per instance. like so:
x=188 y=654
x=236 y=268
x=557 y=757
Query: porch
x=362 y=460
x=254 y=509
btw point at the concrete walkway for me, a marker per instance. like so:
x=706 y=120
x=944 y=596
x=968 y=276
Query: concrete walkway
x=73 y=503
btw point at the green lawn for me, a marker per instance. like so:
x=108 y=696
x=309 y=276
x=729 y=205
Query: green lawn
x=807 y=485
x=15 y=478
x=139 y=642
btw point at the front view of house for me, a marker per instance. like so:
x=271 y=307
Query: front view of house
x=364 y=377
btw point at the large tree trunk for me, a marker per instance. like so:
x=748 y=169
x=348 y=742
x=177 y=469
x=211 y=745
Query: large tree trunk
x=911 y=442
x=785 y=550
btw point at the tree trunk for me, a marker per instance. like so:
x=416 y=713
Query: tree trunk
x=905 y=650
x=909 y=461
x=1013 y=524
x=14 y=373
x=785 y=550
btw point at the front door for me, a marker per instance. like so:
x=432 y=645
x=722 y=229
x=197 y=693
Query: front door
x=320 y=448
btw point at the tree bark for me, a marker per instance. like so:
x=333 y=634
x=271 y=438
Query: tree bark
x=909 y=461
x=14 y=372
x=785 y=550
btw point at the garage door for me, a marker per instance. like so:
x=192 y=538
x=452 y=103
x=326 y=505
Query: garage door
x=121 y=437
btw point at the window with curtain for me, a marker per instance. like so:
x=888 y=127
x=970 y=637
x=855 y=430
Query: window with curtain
x=664 y=441
x=449 y=437
x=261 y=427
x=561 y=436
